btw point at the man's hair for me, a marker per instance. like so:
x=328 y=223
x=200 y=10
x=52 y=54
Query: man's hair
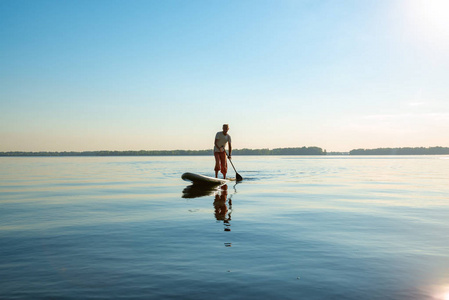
x=227 y=125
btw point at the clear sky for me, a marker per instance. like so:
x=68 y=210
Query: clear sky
x=162 y=75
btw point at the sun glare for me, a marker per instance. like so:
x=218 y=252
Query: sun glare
x=444 y=295
x=430 y=18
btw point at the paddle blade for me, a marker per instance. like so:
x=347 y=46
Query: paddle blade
x=238 y=177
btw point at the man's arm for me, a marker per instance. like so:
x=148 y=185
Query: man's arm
x=230 y=149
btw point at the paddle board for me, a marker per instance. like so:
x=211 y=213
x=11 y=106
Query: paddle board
x=201 y=179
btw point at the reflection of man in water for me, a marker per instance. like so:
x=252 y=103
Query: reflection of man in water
x=221 y=209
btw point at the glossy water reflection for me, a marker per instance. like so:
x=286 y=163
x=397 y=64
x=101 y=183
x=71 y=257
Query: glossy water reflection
x=295 y=228
x=219 y=194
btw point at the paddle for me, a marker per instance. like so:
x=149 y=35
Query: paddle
x=237 y=175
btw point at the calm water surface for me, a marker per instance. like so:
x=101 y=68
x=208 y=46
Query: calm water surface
x=295 y=228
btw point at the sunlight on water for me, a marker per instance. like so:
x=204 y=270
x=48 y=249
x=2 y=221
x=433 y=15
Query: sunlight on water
x=294 y=228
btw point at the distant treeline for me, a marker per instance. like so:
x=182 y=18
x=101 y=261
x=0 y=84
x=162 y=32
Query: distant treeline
x=281 y=151
x=401 y=151
x=111 y=153
x=277 y=151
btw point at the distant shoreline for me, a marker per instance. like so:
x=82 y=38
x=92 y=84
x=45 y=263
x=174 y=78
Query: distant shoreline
x=247 y=152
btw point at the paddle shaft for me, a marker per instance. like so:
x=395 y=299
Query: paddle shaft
x=237 y=175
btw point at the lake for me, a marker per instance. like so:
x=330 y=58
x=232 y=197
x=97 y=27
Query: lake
x=296 y=227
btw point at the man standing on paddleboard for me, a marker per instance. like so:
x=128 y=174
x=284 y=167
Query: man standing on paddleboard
x=221 y=139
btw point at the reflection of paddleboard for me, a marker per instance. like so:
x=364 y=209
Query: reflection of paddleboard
x=200 y=190
x=201 y=179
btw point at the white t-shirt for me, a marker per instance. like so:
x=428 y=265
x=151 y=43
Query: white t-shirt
x=222 y=140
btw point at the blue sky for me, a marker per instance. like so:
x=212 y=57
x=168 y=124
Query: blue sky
x=119 y=75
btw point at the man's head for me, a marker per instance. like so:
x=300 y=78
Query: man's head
x=225 y=128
